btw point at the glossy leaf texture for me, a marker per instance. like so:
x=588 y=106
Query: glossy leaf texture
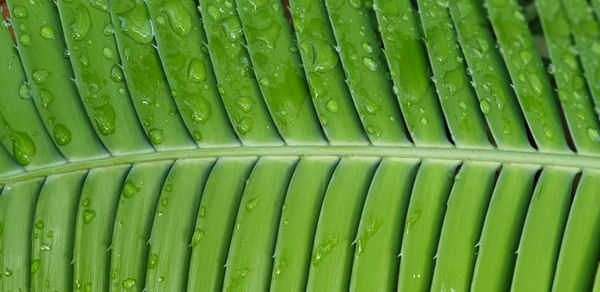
x=301 y=145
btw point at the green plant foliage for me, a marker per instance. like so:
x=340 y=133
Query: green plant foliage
x=332 y=145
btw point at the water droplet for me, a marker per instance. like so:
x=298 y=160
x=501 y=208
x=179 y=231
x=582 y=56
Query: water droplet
x=84 y=61
x=46 y=98
x=372 y=106
x=424 y=121
x=88 y=215
x=526 y=57
x=264 y=82
x=152 y=261
x=24 y=39
x=19 y=11
x=45 y=246
x=548 y=132
x=453 y=81
x=258 y=3
x=39 y=76
x=196 y=70
x=101 y=5
x=164 y=202
x=245 y=103
x=535 y=83
x=214 y=12
x=244 y=126
x=35 y=265
x=355 y=3
x=369 y=63
x=23 y=148
x=129 y=283
x=197 y=236
x=232 y=28
x=366 y=233
x=81 y=23
x=104 y=117
x=135 y=23
x=129 y=189
x=156 y=136
x=332 y=106
x=47 y=32
x=25 y=91
x=62 y=135
x=180 y=19
x=593 y=134
x=197 y=136
x=323 y=250
x=39 y=224
x=108 y=29
x=116 y=73
x=107 y=52
x=200 y=110
x=325 y=58
x=367 y=48
x=485 y=106
x=251 y=204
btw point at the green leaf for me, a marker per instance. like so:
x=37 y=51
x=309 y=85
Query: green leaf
x=243 y=145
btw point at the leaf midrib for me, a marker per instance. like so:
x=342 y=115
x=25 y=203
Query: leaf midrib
x=567 y=159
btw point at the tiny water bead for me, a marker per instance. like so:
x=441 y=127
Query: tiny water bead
x=62 y=135
x=129 y=189
x=156 y=136
x=88 y=215
x=23 y=148
x=24 y=39
x=245 y=103
x=107 y=52
x=81 y=23
x=179 y=18
x=116 y=73
x=370 y=64
x=196 y=70
x=47 y=32
x=197 y=236
x=332 y=106
x=46 y=98
x=367 y=47
x=152 y=261
x=128 y=284
x=25 y=91
x=593 y=134
x=39 y=76
x=19 y=11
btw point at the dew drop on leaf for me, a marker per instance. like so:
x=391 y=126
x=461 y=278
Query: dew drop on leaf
x=197 y=236
x=81 y=23
x=62 y=135
x=88 y=215
x=369 y=63
x=24 y=39
x=47 y=32
x=128 y=284
x=156 y=136
x=196 y=70
x=19 y=11
x=332 y=106
x=180 y=19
